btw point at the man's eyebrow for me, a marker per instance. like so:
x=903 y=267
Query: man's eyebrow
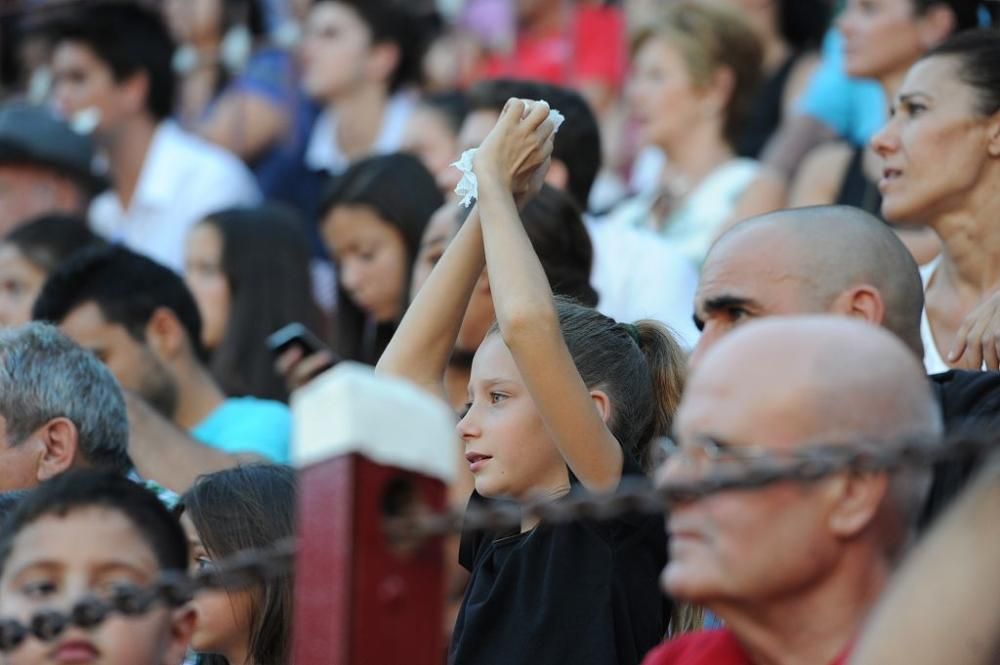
x=908 y=97
x=725 y=301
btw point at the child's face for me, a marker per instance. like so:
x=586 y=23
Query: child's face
x=222 y=619
x=57 y=560
x=510 y=452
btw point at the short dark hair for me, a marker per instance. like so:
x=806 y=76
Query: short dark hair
x=129 y=38
x=49 y=240
x=555 y=228
x=452 y=105
x=265 y=261
x=88 y=488
x=577 y=143
x=250 y=507
x=400 y=190
x=127 y=287
x=393 y=22
x=978 y=55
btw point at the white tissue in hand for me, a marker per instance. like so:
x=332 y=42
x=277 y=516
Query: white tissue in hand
x=468 y=186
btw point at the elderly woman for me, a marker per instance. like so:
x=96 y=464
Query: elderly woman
x=941 y=153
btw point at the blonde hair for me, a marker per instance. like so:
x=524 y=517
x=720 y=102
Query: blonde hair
x=710 y=38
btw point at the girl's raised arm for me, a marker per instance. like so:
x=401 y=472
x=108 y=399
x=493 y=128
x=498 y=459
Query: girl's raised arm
x=423 y=343
x=425 y=339
x=526 y=314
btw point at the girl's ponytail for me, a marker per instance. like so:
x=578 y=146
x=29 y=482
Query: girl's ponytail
x=667 y=362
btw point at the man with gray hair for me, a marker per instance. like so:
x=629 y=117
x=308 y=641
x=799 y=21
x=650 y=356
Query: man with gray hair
x=60 y=408
x=793 y=568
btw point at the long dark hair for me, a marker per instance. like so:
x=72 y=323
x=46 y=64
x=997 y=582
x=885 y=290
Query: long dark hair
x=265 y=259
x=249 y=507
x=403 y=193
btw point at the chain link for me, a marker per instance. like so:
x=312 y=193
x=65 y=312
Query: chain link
x=256 y=566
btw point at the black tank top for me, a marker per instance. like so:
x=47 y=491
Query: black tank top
x=856 y=189
x=766 y=110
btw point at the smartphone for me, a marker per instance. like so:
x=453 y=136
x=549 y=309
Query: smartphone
x=295 y=334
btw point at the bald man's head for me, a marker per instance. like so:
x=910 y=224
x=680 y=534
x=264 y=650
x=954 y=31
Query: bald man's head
x=778 y=386
x=823 y=259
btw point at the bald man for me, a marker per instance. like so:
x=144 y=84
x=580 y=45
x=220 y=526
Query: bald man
x=822 y=259
x=793 y=568
x=836 y=260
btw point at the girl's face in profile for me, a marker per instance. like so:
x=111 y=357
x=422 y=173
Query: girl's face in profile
x=222 y=619
x=508 y=449
x=371 y=259
x=208 y=284
x=880 y=36
x=936 y=148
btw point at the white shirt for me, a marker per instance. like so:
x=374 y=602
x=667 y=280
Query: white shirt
x=692 y=228
x=183 y=179
x=323 y=152
x=933 y=362
x=638 y=275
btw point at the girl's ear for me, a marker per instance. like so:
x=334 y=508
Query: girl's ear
x=602 y=403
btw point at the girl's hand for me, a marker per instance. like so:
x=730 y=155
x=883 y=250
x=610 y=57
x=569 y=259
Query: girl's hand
x=978 y=338
x=517 y=151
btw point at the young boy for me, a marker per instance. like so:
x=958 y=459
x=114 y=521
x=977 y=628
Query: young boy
x=84 y=533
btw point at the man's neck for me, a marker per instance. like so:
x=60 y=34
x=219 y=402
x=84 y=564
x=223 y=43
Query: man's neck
x=811 y=628
x=199 y=395
x=127 y=154
x=359 y=119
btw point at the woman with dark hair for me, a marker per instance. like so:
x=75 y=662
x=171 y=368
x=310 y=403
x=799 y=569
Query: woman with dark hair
x=248 y=269
x=371 y=222
x=941 y=169
x=29 y=253
x=882 y=39
x=224 y=513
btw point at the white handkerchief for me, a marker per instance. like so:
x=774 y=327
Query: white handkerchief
x=468 y=186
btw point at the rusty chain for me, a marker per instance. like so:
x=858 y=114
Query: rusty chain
x=252 y=567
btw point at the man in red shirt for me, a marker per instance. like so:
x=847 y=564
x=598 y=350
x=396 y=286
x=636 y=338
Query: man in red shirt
x=793 y=568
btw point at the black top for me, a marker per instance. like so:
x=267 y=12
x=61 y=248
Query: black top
x=968 y=400
x=581 y=593
x=856 y=189
x=766 y=110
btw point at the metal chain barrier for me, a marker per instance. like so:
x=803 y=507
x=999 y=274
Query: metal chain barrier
x=253 y=567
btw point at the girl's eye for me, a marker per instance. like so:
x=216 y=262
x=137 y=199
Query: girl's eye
x=497 y=397
x=203 y=563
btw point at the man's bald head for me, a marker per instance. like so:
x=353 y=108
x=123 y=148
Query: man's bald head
x=781 y=385
x=822 y=259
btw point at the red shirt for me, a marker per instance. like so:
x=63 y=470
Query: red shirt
x=591 y=49
x=708 y=647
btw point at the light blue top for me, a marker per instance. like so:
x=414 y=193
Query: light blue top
x=248 y=425
x=854 y=108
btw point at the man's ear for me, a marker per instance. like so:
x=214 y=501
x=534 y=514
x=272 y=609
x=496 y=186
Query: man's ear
x=936 y=24
x=182 y=623
x=135 y=90
x=857 y=501
x=861 y=302
x=603 y=404
x=60 y=443
x=383 y=59
x=165 y=334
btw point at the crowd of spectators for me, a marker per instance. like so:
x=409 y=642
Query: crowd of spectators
x=755 y=227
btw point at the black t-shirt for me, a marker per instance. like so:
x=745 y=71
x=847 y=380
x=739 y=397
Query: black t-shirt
x=583 y=592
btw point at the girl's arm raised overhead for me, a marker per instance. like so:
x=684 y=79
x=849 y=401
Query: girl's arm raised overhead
x=423 y=342
x=526 y=314
x=425 y=339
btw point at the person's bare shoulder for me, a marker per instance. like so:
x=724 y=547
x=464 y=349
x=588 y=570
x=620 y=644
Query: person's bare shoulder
x=821 y=175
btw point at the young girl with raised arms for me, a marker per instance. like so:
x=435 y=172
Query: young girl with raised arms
x=562 y=400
